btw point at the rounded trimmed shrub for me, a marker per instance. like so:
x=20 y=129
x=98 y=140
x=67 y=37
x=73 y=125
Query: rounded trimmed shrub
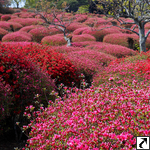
x=127 y=40
x=20 y=82
x=27 y=21
x=17 y=37
x=3 y=32
x=54 y=40
x=5 y=25
x=80 y=30
x=115 y=50
x=29 y=28
x=81 y=18
x=75 y=25
x=15 y=26
x=39 y=33
x=83 y=37
x=5 y=17
x=99 y=34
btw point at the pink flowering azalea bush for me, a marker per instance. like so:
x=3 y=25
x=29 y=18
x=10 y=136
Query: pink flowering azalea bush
x=80 y=30
x=27 y=21
x=127 y=40
x=5 y=25
x=17 y=37
x=5 y=17
x=75 y=25
x=29 y=28
x=15 y=26
x=3 y=32
x=39 y=33
x=81 y=18
x=98 y=33
x=83 y=37
x=106 y=117
x=115 y=50
x=54 y=40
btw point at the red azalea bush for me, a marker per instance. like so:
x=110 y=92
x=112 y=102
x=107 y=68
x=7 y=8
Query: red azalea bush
x=5 y=25
x=17 y=37
x=21 y=81
x=54 y=40
x=15 y=26
x=115 y=50
x=39 y=33
x=83 y=37
x=5 y=17
x=27 y=21
x=51 y=62
x=2 y=33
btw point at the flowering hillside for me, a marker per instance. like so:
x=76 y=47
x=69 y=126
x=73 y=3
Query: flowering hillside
x=92 y=95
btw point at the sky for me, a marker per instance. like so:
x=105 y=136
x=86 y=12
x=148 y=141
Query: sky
x=20 y=5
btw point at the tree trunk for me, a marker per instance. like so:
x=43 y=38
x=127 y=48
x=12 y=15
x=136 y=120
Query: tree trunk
x=142 y=39
x=68 y=39
x=17 y=5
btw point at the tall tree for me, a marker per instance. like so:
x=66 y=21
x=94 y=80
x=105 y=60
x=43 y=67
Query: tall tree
x=55 y=17
x=17 y=2
x=137 y=10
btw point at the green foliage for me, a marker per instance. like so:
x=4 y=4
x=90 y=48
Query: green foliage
x=83 y=9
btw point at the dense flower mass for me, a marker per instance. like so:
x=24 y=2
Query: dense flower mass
x=107 y=117
x=20 y=80
x=92 y=95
